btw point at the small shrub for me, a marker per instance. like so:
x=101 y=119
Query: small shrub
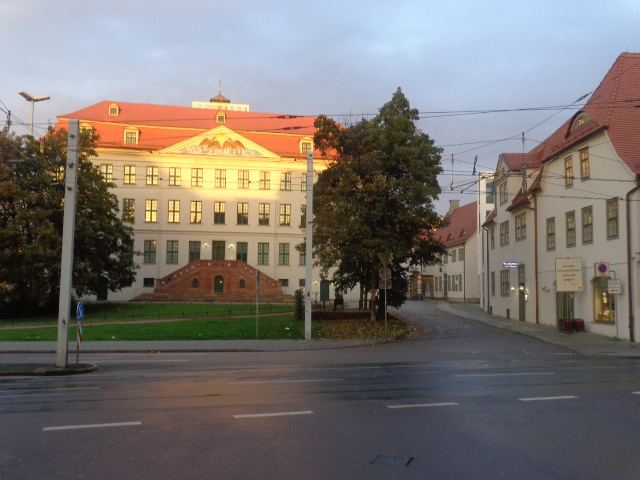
x=298 y=310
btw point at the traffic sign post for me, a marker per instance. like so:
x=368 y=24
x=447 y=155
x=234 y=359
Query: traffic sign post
x=385 y=284
x=79 y=317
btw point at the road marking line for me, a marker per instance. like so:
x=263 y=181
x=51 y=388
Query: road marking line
x=424 y=405
x=279 y=414
x=636 y=393
x=285 y=381
x=65 y=391
x=538 y=399
x=140 y=361
x=96 y=425
x=504 y=374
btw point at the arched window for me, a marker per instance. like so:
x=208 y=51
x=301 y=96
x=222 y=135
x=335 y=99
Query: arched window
x=195 y=283
x=242 y=283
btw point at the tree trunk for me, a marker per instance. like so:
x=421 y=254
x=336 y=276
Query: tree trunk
x=374 y=290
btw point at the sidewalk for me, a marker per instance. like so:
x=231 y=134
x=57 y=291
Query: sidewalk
x=582 y=342
x=42 y=369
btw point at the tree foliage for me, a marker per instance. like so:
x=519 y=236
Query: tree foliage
x=31 y=219
x=376 y=196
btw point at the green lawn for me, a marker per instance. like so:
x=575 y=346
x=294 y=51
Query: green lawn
x=278 y=327
x=124 y=312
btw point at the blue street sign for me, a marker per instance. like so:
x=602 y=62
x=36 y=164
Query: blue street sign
x=80 y=312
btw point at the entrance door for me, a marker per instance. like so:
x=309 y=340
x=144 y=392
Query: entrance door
x=218 y=284
x=564 y=306
x=217 y=250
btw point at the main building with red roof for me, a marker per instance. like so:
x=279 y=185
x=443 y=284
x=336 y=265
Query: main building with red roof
x=214 y=193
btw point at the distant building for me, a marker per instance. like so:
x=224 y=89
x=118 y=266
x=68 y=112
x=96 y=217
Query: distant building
x=456 y=278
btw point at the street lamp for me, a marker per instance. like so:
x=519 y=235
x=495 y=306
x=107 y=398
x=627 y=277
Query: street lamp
x=32 y=100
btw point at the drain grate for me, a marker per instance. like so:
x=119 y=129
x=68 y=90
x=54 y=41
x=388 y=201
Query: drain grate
x=392 y=461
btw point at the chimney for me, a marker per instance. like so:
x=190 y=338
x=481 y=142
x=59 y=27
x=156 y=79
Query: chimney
x=453 y=204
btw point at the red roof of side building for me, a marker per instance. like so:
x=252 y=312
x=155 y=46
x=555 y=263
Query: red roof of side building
x=463 y=223
x=614 y=106
x=522 y=198
x=491 y=218
x=161 y=126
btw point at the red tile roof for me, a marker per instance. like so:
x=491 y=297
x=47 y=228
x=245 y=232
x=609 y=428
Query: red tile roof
x=463 y=223
x=161 y=126
x=490 y=219
x=614 y=106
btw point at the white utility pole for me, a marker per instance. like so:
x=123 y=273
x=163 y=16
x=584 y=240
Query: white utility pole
x=308 y=282
x=68 y=231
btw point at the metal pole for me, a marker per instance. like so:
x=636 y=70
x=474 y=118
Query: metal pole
x=32 y=102
x=309 y=251
x=385 y=312
x=69 y=223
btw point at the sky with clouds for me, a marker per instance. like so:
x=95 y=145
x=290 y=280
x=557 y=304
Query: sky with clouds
x=340 y=58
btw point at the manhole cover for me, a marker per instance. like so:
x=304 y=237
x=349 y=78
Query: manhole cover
x=393 y=461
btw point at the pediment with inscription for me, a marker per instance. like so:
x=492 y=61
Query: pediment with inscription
x=222 y=142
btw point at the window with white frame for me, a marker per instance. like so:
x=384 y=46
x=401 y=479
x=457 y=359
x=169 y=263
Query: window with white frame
x=174 y=176
x=107 y=172
x=151 y=211
x=571 y=228
x=504 y=283
x=551 y=233
x=612 y=218
x=265 y=180
x=152 y=175
x=243 y=178
x=585 y=167
x=285 y=214
x=197 y=177
x=221 y=179
x=196 y=211
x=521 y=226
x=285 y=181
x=568 y=172
x=504 y=233
x=174 y=211
x=130 y=174
x=587 y=224
x=219 y=213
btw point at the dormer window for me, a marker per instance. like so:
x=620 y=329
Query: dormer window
x=114 y=110
x=221 y=117
x=462 y=233
x=86 y=127
x=582 y=121
x=306 y=145
x=131 y=135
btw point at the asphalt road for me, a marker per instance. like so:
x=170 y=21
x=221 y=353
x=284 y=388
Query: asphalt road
x=459 y=400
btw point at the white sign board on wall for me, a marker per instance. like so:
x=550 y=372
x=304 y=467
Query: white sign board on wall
x=569 y=275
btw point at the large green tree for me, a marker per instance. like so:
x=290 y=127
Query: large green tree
x=31 y=218
x=376 y=196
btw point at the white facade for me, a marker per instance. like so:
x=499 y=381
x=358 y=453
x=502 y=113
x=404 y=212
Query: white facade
x=577 y=196
x=207 y=193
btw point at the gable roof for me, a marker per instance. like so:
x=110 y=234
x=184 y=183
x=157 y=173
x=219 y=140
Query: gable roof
x=161 y=126
x=522 y=198
x=614 y=106
x=463 y=223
